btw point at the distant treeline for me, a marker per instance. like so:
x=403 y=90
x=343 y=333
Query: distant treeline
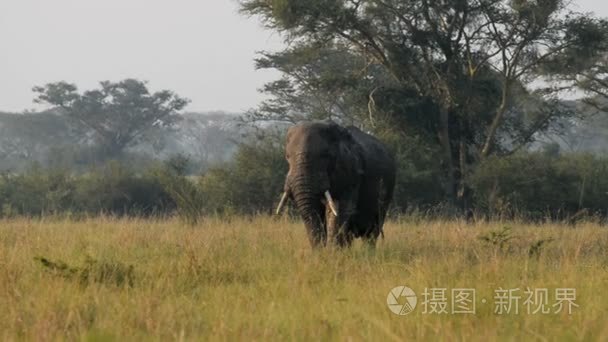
x=535 y=186
x=122 y=120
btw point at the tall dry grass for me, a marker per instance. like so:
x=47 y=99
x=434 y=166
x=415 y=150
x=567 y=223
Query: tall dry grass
x=257 y=279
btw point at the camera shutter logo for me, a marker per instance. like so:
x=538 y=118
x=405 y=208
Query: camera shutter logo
x=401 y=300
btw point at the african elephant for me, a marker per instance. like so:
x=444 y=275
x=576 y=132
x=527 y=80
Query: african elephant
x=341 y=181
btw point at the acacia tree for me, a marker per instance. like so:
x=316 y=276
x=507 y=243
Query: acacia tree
x=318 y=82
x=594 y=82
x=118 y=113
x=583 y=70
x=476 y=61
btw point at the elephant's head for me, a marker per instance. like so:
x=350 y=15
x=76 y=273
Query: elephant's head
x=324 y=164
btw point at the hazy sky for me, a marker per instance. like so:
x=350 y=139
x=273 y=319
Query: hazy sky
x=201 y=49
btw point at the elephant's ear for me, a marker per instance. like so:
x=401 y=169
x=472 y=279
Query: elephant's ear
x=348 y=160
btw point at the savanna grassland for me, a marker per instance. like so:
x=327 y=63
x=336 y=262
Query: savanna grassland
x=257 y=279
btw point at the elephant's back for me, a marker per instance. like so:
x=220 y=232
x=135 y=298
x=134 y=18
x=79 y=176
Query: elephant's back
x=379 y=161
x=372 y=147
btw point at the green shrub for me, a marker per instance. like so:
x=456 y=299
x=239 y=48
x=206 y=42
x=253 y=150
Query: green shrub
x=112 y=189
x=537 y=185
x=188 y=198
x=252 y=183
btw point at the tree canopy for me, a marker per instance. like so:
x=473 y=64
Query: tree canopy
x=118 y=113
x=469 y=76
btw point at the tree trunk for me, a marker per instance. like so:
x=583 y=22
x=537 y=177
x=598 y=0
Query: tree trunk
x=444 y=140
x=462 y=194
x=500 y=112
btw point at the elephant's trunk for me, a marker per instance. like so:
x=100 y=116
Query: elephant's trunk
x=307 y=187
x=311 y=210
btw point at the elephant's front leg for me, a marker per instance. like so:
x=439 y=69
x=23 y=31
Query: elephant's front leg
x=338 y=232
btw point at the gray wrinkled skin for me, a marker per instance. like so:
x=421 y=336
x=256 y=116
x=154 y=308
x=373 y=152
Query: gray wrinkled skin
x=355 y=167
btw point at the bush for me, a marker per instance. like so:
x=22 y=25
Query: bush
x=188 y=198
x=36 y=192
x=112 y=189
x=538 y=185
x=419 y=181
x=251 y=184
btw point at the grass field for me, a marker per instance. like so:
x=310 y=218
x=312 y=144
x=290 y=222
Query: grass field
x=107 y=279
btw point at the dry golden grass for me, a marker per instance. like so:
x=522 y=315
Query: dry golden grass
x=258 y=279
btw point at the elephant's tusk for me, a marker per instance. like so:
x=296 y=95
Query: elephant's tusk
x=331 y=203
x=282 y=202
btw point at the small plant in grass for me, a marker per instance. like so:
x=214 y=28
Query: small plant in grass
x=536 y=248
x=500 y=239
x=96 y=271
